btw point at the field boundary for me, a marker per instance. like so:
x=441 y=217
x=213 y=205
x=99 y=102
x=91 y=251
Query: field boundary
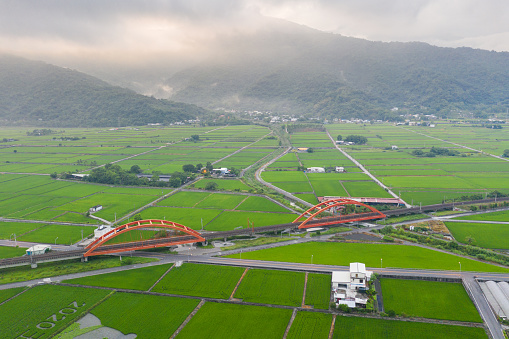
x=292 y=318
x=14 y=296
x=238 y=283
x=188 y=319
x=333 y=323
x=160 y=278
x=305 y=288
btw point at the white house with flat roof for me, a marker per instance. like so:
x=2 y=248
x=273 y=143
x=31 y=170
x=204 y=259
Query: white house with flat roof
x=348 y=285
x=315 y=170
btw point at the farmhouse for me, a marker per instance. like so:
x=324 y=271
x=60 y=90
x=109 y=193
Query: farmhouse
x=95 y=208
x=394 y=147
x=315 y=170
x=162 y=177
x=78 y=176
x=302 y=149
x=221 y=171
x=348 y=286
x=340 y=169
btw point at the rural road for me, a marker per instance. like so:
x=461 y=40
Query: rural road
x=277 y=189
x=368 y=173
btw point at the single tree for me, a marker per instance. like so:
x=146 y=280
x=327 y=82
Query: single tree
x=135 y=169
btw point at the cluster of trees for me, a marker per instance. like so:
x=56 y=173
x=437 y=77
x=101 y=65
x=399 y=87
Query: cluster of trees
x=85 y=163
x=357 y=139
x=198 y=168
x=479 y=196
x=304 y=127
x=506 y=153
x=436 y=151
x=494 y=126
x=38 y=132
x=115 y=175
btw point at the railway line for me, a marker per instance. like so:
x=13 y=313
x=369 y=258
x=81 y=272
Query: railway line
x=329 y=221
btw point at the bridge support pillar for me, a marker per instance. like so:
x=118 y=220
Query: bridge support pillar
x=205 y=243
x=33 y=265
x=84 y=259
x=224 y=239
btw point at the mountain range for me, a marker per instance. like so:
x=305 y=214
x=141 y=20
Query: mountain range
x=36 y=93
x=292 y=68
x=280 y=66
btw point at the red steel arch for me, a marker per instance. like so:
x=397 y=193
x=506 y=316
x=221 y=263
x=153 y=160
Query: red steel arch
x=329 y=204
x=94 y=248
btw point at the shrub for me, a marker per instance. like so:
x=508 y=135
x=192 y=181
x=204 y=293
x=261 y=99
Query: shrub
x=211 y=186
x=344 y=308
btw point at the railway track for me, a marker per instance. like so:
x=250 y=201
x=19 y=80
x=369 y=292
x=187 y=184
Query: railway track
x=124 y=247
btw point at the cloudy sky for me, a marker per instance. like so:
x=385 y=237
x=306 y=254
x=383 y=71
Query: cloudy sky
x=127 y=29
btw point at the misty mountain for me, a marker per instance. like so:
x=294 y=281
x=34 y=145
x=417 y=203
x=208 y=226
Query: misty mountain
x=33 y=92
x=291 y=68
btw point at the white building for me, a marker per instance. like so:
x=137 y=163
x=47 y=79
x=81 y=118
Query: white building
x=38 y=249
x=95 y=208
x=394 y=147
x=340 y=169
x=348 y=285
x=221 y=171
x=315 y=170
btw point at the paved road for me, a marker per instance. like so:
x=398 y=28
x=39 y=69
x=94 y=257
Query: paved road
x=277 y=189
x=480 y=302
x=368 y=173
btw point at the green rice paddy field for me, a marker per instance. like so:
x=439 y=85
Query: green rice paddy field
x=10 y=252
x=272 y=287
x=310 y=325
x=491 y=216
x=31 y=313
x=428 y=299
x=427 y=180
x=366 y=328
x=394 y=256
x=134 y=279
x=494 y=236
x=318 y=291
x=148 y=316
x=215 y=320
x=200 y=280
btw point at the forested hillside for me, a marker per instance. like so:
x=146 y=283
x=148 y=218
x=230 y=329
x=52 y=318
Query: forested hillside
x=287 y=67
x=33 y=92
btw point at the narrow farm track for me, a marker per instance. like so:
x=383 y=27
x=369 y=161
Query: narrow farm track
x=240 y=149
x=368 y=173
x=455 y=144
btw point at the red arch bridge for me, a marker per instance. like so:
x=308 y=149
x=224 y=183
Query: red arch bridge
x=152 y=233
x=145 y=234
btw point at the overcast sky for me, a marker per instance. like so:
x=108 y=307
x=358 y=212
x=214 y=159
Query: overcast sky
x=126 y=29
